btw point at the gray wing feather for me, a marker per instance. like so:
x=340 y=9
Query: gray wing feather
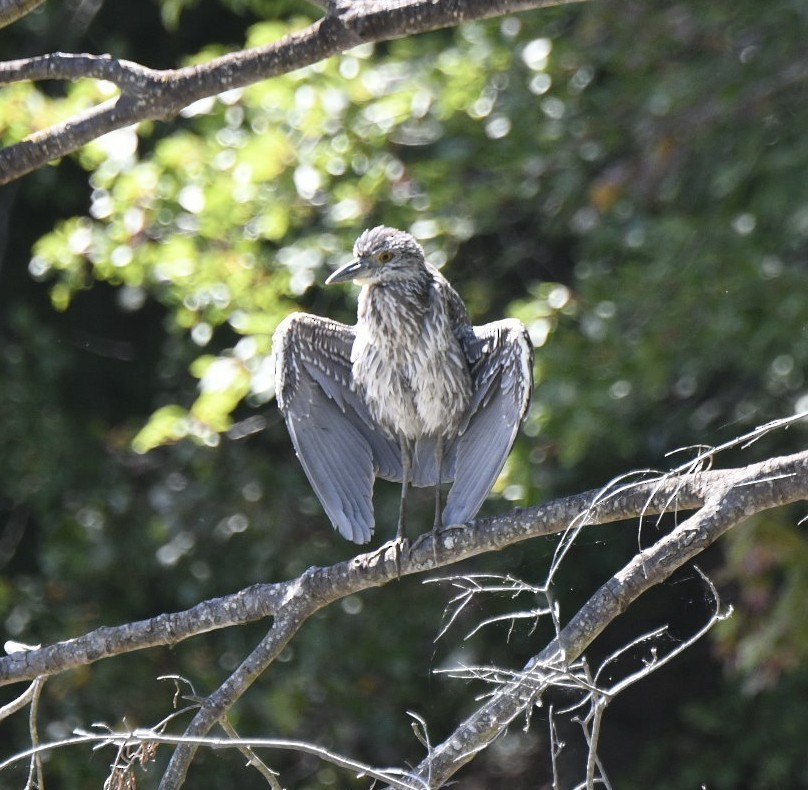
x=339 y=447
x=425 y=463
x=500 y=356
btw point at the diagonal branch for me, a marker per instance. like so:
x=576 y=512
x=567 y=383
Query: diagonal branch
x=739 y=495
x=218 y=703
x=150 y=94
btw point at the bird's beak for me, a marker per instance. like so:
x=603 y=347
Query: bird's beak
x=350 y=271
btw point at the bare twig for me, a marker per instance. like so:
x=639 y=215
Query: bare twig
x=592 y=696
x=478 y=584
x=600 y=697
x=252 y=758
x=35 y=776
x=10 y=708
x=555 y=745
x=133 y=740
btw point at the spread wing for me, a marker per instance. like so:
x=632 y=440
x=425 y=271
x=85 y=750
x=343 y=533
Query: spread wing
x=337 y=442
x=500 y=358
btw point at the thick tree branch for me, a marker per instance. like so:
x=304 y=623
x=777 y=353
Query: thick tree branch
x=325 y=585
x=149 y=94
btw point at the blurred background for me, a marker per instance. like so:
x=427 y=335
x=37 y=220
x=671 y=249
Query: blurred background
x=630 y=179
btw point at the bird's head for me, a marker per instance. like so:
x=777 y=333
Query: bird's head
x=382 y=255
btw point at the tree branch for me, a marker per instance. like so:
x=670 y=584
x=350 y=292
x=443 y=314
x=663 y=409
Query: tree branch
x=12 y=10
x=218 y=703
x=150 y=94
x=732 y=500
x=325 y=585
x=725 y=498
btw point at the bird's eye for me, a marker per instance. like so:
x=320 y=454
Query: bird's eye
x=384 y=257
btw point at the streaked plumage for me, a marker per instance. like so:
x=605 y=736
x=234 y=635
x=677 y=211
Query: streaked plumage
x=412 y=390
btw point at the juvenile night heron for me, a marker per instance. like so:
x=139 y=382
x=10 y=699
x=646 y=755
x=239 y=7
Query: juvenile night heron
x=412 y=393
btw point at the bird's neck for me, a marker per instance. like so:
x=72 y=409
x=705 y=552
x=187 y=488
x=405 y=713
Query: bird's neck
x=396 y=307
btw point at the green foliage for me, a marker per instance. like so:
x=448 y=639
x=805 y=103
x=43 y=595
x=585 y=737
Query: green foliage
x=765 y=639
x=627 y=179
x=737 y=741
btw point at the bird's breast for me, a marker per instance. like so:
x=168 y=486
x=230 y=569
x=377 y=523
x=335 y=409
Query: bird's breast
x=409 y=366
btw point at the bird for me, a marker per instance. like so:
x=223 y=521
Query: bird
x=412 y=393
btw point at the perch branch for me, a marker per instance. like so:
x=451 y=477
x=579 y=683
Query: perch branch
x=325 y=585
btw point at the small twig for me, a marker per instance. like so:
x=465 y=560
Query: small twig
x=421 y=731
x=135 y=739
x=20 y=702
x=252 y=758
x=592 y=736
x=555 y=746
x=658 y=662
x=477 y=584
x=51 y=746
x=600 y=697
x=36 y=778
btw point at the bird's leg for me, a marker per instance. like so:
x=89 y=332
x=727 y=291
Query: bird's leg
x=406 y=473
x=438 y=523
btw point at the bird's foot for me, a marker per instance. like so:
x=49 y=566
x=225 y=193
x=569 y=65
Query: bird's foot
x=419 y=540
x=438 y=532
x=435 y=534
x=398 y=546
